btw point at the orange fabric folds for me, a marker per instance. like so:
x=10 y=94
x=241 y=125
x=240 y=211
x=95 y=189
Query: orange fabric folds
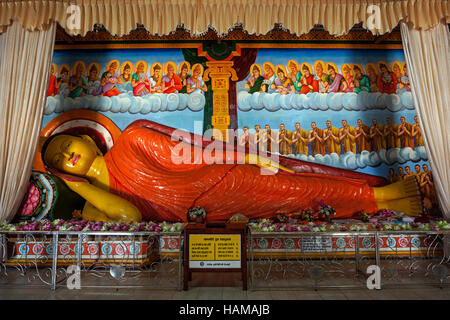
x=142 y=171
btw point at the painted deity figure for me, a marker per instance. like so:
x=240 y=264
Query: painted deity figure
x=109 y=80
x=295 y=75
x=404 y=132
x=361 y=81
x=255 y=82
x=390 y=133
x=64 y=89
x=126 y=78
x=347 y=84
x=322 y=78
x=331 y=139
x=347 y=137
x=427 y=178
x=268 y=138
x=269 y=77
x=152 y=188
x=171 y=83
x=307 y=81
x=156 y=79
x=417 y=132
x=387 y=81
x=373 y=78
x=377 y=136
x=77 y=84
x=300 y=140
x=93 y=82
x=195 y=82
x=140 y=82
x=334 y=79
x=184 y=76
x=258 y=138
x=403 y=83
x=284 y=140
x=244 y=139
x=53 y=82
x=362 y=136
x=282 y=84
x=315 y=137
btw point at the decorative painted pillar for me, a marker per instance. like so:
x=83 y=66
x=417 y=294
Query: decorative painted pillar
x=220 y=73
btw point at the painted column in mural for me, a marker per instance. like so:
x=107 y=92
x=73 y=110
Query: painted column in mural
x=220 y=73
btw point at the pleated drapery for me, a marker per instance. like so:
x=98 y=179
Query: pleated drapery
x=24 y=69
x=257 y=16
x=427 y=56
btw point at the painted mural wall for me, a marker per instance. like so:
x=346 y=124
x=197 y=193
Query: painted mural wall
x=346 y=108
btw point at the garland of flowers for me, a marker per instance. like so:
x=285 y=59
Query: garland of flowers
x=266 y=225
x=85 y=225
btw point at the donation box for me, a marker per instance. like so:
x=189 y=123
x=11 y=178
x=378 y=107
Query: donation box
x=215 y=247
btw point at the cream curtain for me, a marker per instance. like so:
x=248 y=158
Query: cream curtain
x=257 y=16
x=427 y=55
x=24 y=69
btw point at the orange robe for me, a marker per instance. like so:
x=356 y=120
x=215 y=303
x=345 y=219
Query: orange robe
x=407 y=140
x=141 y=170
x=331 y=144
x=363 y=143
x=318 y=147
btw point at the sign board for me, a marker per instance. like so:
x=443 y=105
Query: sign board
x=317 y=243
x=215 y=251
x=214 y=247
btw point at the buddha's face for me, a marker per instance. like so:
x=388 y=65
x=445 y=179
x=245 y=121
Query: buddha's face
x=281 y=75
x=70 y=154
x=357 y=72
x=268 y=70
x=184 y=71
x=196 y=73
x=156 y=72
x=256 y=73
x=127 y=70
x=170 y=71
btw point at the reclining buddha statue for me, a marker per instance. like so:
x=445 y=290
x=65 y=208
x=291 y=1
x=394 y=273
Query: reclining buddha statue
x=137 y=179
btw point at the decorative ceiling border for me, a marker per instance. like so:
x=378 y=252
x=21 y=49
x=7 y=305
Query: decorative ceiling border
x=141 y=38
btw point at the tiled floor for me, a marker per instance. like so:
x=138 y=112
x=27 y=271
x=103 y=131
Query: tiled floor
x=225 y=293
x=211 y=286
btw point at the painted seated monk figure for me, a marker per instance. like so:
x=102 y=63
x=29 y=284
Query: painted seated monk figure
x=137 y=178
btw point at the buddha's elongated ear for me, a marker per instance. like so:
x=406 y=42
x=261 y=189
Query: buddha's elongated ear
x=90 y=140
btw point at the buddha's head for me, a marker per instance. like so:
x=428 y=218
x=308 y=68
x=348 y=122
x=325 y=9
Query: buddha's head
x=69 y=153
